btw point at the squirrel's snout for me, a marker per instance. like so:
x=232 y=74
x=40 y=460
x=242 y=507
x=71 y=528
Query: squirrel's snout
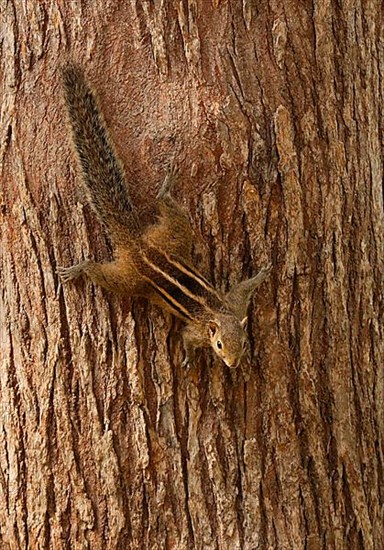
x=231 y=363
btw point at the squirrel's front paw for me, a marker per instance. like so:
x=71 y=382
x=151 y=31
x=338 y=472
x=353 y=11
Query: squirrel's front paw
x=188 y=361
x=263 y=274
x=265 y=271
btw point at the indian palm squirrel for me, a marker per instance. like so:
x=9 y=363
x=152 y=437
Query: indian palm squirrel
x=152 y=261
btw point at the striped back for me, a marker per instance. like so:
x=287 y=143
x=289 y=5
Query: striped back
x=183 y=291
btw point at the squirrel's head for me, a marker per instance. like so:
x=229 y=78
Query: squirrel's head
x=228 y=338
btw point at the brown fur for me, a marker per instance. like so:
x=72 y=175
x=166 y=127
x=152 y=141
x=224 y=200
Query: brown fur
x=152 y=261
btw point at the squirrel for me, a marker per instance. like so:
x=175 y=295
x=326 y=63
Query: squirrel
x=151 y=260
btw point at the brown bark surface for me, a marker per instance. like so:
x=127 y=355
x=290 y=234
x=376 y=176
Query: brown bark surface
x=274 y=112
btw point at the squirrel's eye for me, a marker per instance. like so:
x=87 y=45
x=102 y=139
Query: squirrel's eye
x=219 y=344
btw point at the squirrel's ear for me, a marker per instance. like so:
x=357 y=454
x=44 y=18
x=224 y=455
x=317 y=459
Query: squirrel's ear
x=213 y=327
x=244 y=321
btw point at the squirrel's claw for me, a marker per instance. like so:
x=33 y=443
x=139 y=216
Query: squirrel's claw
x=266 y=269
x=169 y=181
x=188 y=361
x=69 y=273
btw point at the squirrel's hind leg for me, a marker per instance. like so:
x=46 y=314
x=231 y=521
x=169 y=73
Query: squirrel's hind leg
x=172 y=232
x=73 y=272
x=108 y=275
x=168 y=183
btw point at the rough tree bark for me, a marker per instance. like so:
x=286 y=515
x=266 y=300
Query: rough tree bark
x=274 y=112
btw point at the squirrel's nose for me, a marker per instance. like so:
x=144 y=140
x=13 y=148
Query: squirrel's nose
x=232 y=364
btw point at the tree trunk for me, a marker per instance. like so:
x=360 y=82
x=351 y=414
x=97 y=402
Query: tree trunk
x=274 y=113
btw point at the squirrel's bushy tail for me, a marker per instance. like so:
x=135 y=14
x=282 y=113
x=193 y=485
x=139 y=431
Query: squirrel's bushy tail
x=103 y=174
